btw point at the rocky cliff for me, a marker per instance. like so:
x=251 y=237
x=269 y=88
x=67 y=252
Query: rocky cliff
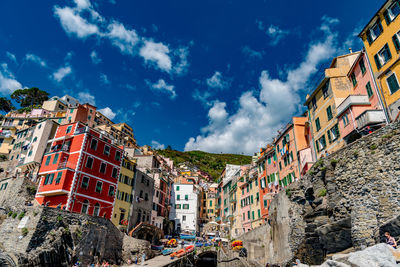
x=345 y=202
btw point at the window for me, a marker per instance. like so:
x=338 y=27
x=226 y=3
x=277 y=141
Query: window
x=321 y=143
x=146 y=196
x=48 y=161
x=183 y=218
x=210 y=202
x=383 y=56
x=30 y=153
x=317 y=124
x=177 y=188
x=325 y=90
x=89 y=162
x=374 y=32
x=51 y=178
x=178 y=197
x=34 y=139
x=393 y=84
x=185 y=206
x=251 y=199
x=248 y=215
x=106 y=150
x=55 y=158
x=345 y=119
x=396 y=41
x=362 y=66
x=58 y=177
x=103 y=167
x=114 y=172
x=329 y=113
x=186 y=197
x=96 y=209
x=85 y=182
x=369 y=90
x=256 y=181
x=69 y=128
x=85 y=206
x=46 y=180
x=118 y=156
x=177 y=206
x=392 y=12
x=111 y=191
x=353 y=79
x=259 y=214
x=244 y=216
x=99 y=187
x=93 y=144
x=314 y=103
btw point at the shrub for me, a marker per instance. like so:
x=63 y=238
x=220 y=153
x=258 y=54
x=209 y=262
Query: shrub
x=21 y=215
x=373 y=147
x=10 y=213
x=59 y=218
x=31 y=190
x=323 y=169
x=24 y=231
x=334 y=162
x=288 y=192
x=14 y=215
x=322 y=193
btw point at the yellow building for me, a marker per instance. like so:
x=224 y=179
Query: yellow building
x=255 y=204
x=323 y=101
x=124 y=195
x=381 y=37
x=7 y=135
x=127 y=134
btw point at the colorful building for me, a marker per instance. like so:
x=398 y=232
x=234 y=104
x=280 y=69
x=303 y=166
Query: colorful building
x=322 y=105
x=211 y=194
x=381 y=37
x=80 y=171
x=362 y=110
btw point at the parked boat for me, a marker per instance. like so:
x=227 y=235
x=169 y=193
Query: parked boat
x=154 y=247
x=167 y=251
x=186 y=236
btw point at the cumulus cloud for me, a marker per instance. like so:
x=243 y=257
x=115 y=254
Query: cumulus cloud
x=75 y=22
x=11 y=56
x=8 y=83
x=36 y=59
x=86 y=97
x=95 y=58
x=275 y=33
x=108 y=113
x=217 y=81
x=162 y=86
x=61 y=73
x=157 y=145
x=261 y=113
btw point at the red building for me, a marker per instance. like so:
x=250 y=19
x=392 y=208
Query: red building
x=80 y=171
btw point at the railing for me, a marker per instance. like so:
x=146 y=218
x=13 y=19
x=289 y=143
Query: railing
x=80 y=130
x=369 y=117
x=66 y=164
x=352 y=100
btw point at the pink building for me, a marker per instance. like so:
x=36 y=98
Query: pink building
x=361 y=112
x=245 y=206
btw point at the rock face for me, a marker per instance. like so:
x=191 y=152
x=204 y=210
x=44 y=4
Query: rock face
x=347 y=200
x=59 y=238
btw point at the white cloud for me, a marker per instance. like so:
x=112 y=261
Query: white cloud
x=252 y=54
x=36 y=59
x=75 y=22
x=203 y=97
x=108 y=113
x=162 y=86
x=86 y=97
x=8 y=83
x=95 y=58
x=12 y=57
x=156 y=54
x=157 y=145
x=61 y=73
x=276 y=34
x=104 y=79
x=217 y=81
x=260 y=114
x=122 y=38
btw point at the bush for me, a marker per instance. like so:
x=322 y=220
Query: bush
x=334 y=162
x=373 y=147
x=21 y=215
x=323 y=169
x=59 y=218
x=31 y=190
x=14 y=215
x=288 y=192
x=10 y=213
x=24 y=231
x=322 y=193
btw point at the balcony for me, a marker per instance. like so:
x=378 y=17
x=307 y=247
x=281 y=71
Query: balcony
x=352 y=100
x=370 y=117
x=52 y=192
x=66 y=164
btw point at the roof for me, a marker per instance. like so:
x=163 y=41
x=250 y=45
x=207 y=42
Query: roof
x=373 y=17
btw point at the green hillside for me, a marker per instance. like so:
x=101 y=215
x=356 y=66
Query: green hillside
x=211 y=163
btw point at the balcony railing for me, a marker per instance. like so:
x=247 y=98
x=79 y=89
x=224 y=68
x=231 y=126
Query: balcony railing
x=66 y=164
x=352 y=100
x=370 y=117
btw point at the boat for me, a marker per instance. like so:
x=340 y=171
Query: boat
x=167 y=251
x=189 y=248
x=187 y=236
x=154 y=247
x=176 y=253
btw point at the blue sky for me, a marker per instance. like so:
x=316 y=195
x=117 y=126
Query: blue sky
x=212 y=75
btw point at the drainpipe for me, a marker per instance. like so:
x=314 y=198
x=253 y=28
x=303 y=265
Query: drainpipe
x=378 y=90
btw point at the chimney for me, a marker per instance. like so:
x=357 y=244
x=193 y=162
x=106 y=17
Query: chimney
x=351 y=50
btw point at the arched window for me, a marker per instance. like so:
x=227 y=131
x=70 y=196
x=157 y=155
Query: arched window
x=96 y=209
x=85 y=206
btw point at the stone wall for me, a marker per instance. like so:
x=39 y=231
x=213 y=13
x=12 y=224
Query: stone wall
x=346 y=201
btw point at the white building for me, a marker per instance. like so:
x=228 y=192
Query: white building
x=185 y=207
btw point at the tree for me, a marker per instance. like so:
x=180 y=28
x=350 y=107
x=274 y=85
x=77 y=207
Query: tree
x=5 y=104
x=30 y=97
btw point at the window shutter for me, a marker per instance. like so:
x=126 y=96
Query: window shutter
x=329 y=136
x=387 y=18
x=396 y=42
x=369 y=37
x=379 y=26
x=377 y=61
x=388 y=51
